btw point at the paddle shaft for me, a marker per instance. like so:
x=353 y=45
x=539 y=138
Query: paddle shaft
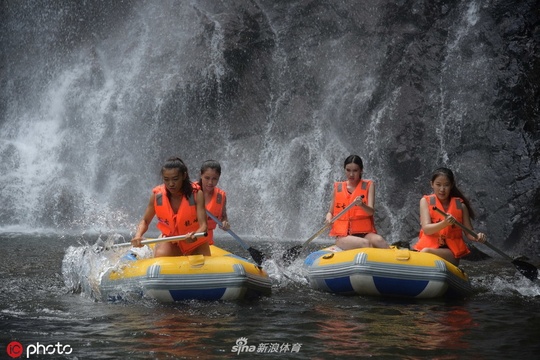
x=257 y=255
x=326 y=226
x=293 y=253
x=528 y=270
x=236 y=237
x=164 y=239
x=470 y=232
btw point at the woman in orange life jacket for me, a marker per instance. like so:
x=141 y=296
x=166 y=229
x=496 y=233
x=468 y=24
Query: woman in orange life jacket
x=355 y=228
x=439 y=234
x=179 y=206
x=215 y=198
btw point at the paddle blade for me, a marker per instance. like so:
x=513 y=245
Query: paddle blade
x=528 y=270
x=292 y=254
x=256 y=255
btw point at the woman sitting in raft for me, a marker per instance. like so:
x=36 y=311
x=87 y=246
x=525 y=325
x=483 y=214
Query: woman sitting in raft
x=439 y=234
x=179 y=206
x=215 y=199
x=355 y=228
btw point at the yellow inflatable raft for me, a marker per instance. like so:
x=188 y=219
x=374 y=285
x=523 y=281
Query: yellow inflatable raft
x=222 y=276
x=385 y=272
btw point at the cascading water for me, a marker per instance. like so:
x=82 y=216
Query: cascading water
x=96 y=96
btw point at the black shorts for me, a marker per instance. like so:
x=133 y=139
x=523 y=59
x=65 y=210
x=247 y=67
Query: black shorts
x=360 y=235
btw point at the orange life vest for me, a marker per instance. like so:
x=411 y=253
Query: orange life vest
x=181 y=223
x=215 y=206
x=356 y=220
x=450 y=236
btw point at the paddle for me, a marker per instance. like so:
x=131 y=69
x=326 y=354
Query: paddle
x=163 y=239
x=293 y=253
x=255 y=254
x=528 y=270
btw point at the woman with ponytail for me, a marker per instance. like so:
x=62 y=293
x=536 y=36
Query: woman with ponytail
x=439 y=234
x=179 y=207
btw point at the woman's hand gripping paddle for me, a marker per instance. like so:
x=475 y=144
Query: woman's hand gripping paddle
x=292 y=254
x=528 y=270
x=255 y=254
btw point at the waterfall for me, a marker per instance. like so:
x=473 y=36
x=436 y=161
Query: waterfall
x=96 y=96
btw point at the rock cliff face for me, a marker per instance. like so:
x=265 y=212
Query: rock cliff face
x=280 y=92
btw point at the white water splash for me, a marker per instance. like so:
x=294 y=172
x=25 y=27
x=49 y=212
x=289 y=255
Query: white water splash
x=83 y=267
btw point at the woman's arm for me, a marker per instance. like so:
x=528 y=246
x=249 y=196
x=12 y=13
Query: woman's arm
x=425 y=220
x=369 y=208
x=224 y=217
x=330 y=212
x=467 y=223
x=149 y=214
x=201 y=212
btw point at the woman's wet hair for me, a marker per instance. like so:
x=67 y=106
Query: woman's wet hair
x=211 y=164
x=177 y=163
x=354 y=159
x=455 y=191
